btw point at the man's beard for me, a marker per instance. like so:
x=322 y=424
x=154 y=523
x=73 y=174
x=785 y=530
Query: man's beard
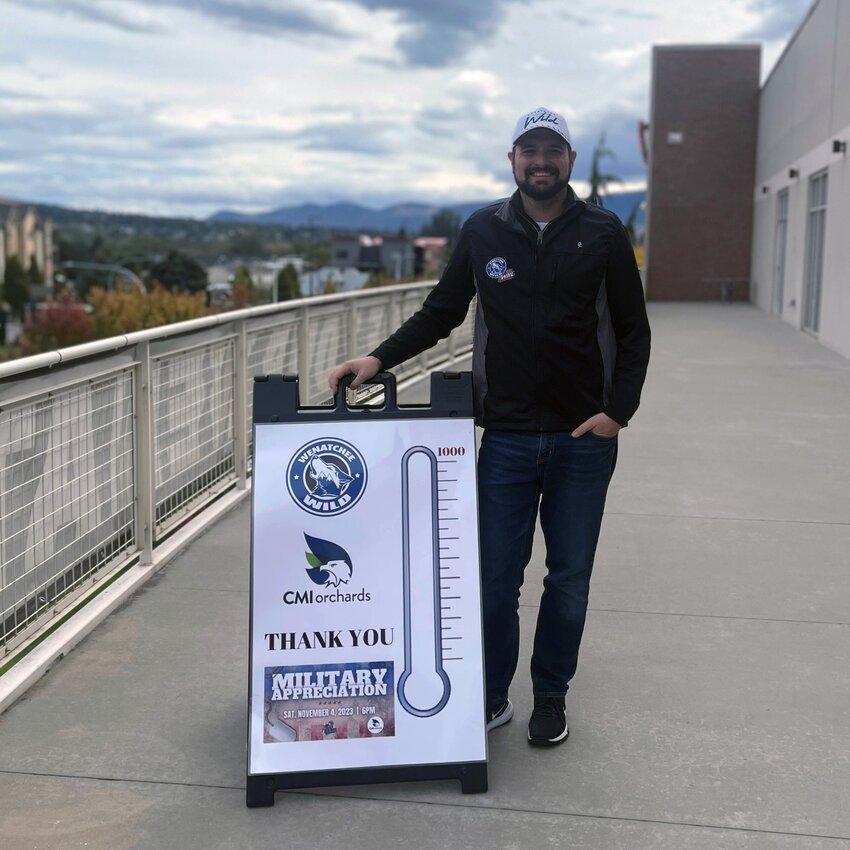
x=541 y=193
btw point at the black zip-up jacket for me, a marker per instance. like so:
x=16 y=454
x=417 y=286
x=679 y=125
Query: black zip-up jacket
x=561 y=332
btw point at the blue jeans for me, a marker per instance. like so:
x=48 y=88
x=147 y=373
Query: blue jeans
x=567 y=478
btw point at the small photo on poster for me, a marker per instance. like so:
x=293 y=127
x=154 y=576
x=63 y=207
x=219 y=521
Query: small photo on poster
x=329 y=702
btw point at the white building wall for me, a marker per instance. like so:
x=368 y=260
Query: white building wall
x=804 y=107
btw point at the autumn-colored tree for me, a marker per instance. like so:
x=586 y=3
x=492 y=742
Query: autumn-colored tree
x=58 y=325
x=120 y=312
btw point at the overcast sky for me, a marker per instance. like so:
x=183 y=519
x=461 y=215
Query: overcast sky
x=183 y=107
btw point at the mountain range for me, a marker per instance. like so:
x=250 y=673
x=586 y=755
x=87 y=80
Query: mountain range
x=410 y=216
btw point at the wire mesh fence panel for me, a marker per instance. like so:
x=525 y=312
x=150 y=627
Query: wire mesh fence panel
x=327 y=344
x=372 y=327
x=68 y=491
x=271 y=351
x=193 y=406
x=66 y=494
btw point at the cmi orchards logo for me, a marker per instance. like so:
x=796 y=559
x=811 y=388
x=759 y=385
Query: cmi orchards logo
x=330 y=564
x=330 y=567
x=326 y=476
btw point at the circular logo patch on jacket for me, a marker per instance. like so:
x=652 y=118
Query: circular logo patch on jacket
x=326 y=476
x=496 y=268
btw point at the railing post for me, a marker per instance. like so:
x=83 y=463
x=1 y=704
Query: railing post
x=240 y=406
x=305 y=379
x=353 y=328
x=144 y=454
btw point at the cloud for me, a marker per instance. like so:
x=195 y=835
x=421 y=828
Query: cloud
x=432 y=34
x=260 y=17
x=624 y=57
x=573 y=18
x=441 y=32
x=621 y=12
x=361 y=137
x=779 y=18
x=621 y=136
x=264 y=18
x=129 y=17
x=11 y=94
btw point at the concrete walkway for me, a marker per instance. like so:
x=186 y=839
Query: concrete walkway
x=712 y=704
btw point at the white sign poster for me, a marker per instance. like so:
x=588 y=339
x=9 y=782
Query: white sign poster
x=366 y=614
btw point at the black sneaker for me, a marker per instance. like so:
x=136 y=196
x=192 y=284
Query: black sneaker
x=500 y=716
x=548 y=724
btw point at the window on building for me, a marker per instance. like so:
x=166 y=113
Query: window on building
x=815 y=230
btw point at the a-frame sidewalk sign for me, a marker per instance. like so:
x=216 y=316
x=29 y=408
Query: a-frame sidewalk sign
x=365 y=643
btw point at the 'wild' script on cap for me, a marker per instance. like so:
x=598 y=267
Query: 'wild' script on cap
x=544 y=118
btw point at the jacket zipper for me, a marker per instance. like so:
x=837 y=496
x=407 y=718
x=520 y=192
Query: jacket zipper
x=533 y=333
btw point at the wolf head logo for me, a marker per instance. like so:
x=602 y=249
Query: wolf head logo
x=330 y=479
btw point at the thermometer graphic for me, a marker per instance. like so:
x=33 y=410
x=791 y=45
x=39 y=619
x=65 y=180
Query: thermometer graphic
x=423 y=687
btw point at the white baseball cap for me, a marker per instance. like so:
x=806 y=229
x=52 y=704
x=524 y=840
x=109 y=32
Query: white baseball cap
x=542 y=118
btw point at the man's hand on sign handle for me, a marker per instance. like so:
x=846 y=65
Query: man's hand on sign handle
x=363 y=368
x=602 y=425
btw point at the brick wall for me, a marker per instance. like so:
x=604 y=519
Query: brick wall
x=703 y=138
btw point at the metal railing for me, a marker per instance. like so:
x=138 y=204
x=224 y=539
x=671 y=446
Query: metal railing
x=106 y=447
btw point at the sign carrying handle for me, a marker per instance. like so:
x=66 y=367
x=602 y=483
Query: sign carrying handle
x=385 y=379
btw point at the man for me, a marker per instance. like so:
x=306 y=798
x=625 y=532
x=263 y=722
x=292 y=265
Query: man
x=560 y=355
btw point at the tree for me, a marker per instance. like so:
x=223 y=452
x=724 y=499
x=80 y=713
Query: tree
x=60 y=324
x=177 y=271
x=246 y=243
x=243 y=288
x=599 y=181
x=120 y=312
x=316 y=253
x=34 y=272
x=16 y=286
x=329 y=287
x=444 y=222
x=288 y=286
x=631 y=222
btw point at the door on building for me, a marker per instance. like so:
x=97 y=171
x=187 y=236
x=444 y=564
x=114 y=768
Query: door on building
x=815 y=230
x=779 y=243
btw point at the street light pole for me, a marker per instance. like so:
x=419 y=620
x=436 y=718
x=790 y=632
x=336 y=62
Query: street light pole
x=112 y=268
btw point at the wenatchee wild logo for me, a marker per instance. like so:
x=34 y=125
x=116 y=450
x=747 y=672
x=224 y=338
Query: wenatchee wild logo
x=498 y=269
x=326 y=476
x=329 y=566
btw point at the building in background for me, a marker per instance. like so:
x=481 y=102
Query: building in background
x=391 y=256
x=749 y=189
x=430 y=256
x=801 y=250
x=702 y=152
x=27 y=236
x=331 y=279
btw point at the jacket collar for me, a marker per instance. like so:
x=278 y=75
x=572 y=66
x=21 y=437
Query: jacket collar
x=512 y=214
